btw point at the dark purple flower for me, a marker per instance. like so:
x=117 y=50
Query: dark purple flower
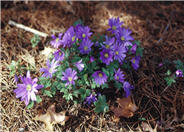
x=79 y=65
x=119 y=76
x=114 y=24
x=28 y=89
x=179 y=73
x=83 y=32
x=106 y=56
x=108 y=42
x=90 y=99
x=133 y=49
x=59 y=55
x=51 y=68
x=127 y=87
x=69 y=37
x=99 y=77
x=135 y=62
x=69 y=76
x=119 y=52
x=85 y=46
x=123 y=35
x=92 y=59
x=56 y=42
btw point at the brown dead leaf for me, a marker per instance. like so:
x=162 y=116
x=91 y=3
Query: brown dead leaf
x=147 y=127
x=126 y=108
x=51 y=118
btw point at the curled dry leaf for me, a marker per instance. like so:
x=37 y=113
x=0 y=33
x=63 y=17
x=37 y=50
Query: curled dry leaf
x=51 y=118
x=126 y=108
x=147 y=127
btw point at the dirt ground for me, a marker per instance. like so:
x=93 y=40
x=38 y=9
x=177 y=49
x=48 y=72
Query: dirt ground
x=158 y=25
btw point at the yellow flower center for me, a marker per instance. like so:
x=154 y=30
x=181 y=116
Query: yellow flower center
x=60 y=53
x=85 y=48
x=122 y=38
x=50 y=70
x=100 y=74
x=106 y=55
x=107 y=46
x=114 y=27
x=117 y=78
x=117 y=52
x=133 y=60
x=83 y=35
x=57 y=40
x=70 y=79
x=73 y=38
x=28 y=87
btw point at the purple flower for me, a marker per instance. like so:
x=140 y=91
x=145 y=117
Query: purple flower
x=16 y=79
x=108 y=42
x=56 y=42
x=51 y=68
x=85 y=46
x=160 y=64
x=69 y=76
x=99 y=77
x=92 y=59
x=90 y=99
x=179 y=73
x=69 y=37
x=106 y=56
x=59 y=55
x=28 y=89
x=119 y=76
x=79 y=65
x=135 y=62
x=133 y=49
x=123 y=35
x=119 y=52
x=127 y=87
x=83 y=32
x=114 y=24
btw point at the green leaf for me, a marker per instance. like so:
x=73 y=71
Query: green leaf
x=118 y=85
x=38 y=99
x=30 y=105
x=139 y=51
x=170 y=80
x=105 y=71
x=168 y=72
x=101 y=105
x=78 y=22
x=105 y=85
x=48 y=93
x=35 y=40
x=138 y=43
x=142 y=119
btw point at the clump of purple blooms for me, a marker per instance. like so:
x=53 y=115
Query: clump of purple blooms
x=99 y=62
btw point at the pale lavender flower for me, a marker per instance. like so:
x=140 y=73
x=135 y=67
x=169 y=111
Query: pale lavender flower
x=69 y=37
x=51 y=68
x=79 y=65
x=119 y=52
x=69 y=76
x=114 y=24
x=133 y=49
x=135 y=62
x=59 y=55
x=83 y=32
x=85 y=46
x=119 y=76
x=56 y=42
x=106 y=56
x=123 y=35
x=108 y=42
x=28 y=89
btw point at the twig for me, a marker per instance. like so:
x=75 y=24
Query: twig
x=27 y=29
